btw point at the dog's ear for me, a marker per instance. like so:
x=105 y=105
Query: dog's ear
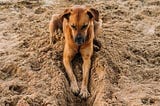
x=93 y=13
x=66 y=14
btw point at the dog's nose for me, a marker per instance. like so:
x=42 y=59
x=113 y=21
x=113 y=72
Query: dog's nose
x=79 y=40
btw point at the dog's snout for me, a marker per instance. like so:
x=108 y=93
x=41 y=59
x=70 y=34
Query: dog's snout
x=79 y=39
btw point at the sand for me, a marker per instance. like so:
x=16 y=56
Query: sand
x=125 y=67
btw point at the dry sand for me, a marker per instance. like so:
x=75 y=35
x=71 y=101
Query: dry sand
x=125 y=65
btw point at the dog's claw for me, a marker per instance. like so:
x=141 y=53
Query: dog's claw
x=75 y=89
x=84 y=94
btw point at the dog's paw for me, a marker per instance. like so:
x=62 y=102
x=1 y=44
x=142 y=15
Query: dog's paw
x=75 y=89
x=84 y=94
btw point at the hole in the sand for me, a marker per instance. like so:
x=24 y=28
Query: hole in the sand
x=97 y=45
x=9 y=103
x=138 y=17
x=120 y=12
x=136 y=51
x=150 y=12
x=40 y=10
x=77 y=66
x=157 y=31
x=77 y=58
x=148 y=101
x=57 y=55
x=24 y=44
x=9 y=69
x=29 y=3
x=154 y=3
x=16 y=88
x=35 y=66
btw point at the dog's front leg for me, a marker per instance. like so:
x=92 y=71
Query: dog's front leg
x=67 y=58
x=84 y=87
x=86 y=56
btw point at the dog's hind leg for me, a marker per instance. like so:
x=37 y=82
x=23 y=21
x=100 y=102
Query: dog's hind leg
x=51 y=30
x=54 y=24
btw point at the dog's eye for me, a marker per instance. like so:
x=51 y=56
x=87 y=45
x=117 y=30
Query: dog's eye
x=84 y=27
x=74 y=27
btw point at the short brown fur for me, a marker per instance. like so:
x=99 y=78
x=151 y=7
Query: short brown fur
x=80 y=25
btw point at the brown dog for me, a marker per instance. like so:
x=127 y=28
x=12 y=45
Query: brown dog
x=80 y=24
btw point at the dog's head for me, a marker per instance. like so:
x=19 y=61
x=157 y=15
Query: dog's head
x=80 y=20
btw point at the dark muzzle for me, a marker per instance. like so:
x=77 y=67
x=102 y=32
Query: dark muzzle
x=79 y=40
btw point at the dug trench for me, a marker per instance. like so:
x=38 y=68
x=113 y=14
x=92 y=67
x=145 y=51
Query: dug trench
x=125 y=63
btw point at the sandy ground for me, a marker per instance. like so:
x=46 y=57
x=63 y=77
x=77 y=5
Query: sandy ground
x=125 y=66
